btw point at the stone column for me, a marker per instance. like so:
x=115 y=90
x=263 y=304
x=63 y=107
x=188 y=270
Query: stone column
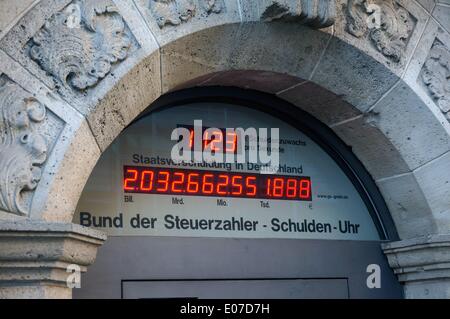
x=422 y=265
x=37 y=258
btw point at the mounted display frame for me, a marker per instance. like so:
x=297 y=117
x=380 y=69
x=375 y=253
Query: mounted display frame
x=305 y=123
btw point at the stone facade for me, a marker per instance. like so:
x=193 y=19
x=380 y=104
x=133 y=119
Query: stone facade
x=421 y=260
x=74 y=73
x=36 y=257
x=23 y=149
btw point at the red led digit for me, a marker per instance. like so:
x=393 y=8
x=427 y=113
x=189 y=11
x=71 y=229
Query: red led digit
x=191 y=139
x=222 y=186
x=206 y=140
x=177 y=185
x=207 y=186
x=230 y=143
x=217 y=142
x=291 y=188
x=148 y=180
x=236 y=185
x=250 y=183
x=305 y=189
x=128 y=180
x=164 y=181
x=268 y=185
x=192 y=185
x=278 y=185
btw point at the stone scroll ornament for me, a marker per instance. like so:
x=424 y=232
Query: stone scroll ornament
x=22 y=149
x=436 y=76
x=314 y=13
x=175 y=12
x=78 y=45
x=384 y=22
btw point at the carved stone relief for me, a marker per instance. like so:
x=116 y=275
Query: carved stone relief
x=78 y=45
x=172 y=12
x=22 y=149
x=315 y=13
x=213 y=6
x=384 y=22
x=436 y=76
x=175 y=12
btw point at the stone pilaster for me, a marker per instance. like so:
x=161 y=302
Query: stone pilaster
x=37 y=258
x=422 y=265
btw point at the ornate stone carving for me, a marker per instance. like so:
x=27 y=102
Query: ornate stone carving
x=78 y=45
x=387 y=24
x=172 y=12
x=175 y=12
x=22 y=149
x=436 y=76
x=315 y=13
x=213 y=6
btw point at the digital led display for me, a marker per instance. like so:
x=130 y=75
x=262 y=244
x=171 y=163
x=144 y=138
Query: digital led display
x=141 y=183
x=152 y=180
x=218 y=140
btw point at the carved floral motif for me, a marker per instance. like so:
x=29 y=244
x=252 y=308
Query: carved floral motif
x=387 y=24
x=22 y=149
x=315 y=13
x=172 y=12
x=436 y=76
x=78 y=45
x=175 y=12
x=213 y=6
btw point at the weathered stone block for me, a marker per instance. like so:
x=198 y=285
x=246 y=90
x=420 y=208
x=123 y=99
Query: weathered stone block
x=422 y=265
x=379 y=156
x=408 y=206
x=293 y=50
x=434 y=178
x=322 y=104
x=35 y=256
x=197 y=55
x=427 y=4
x=416 y=132
x=135 y=91
x=278 y=47
x=348 y=72
x=442 y=14
x=11 y=9
x=264 y=81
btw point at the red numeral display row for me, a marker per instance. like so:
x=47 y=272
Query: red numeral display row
x=151 y=180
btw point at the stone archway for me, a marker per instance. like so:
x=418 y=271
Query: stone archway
x=381 y=90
